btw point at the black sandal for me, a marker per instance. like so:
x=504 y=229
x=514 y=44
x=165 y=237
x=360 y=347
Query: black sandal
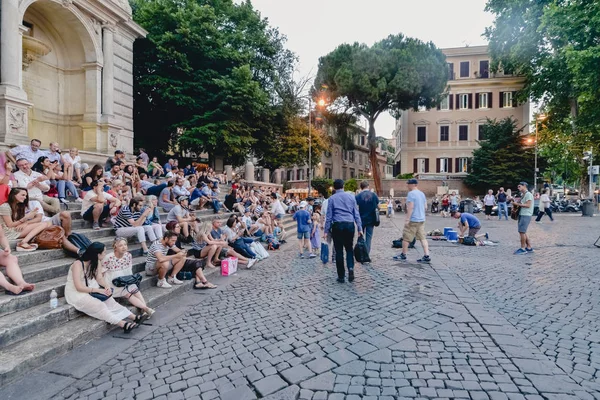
x=129 y=326
x=140 y=318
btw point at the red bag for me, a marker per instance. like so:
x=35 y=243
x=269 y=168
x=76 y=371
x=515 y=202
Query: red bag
x=4 y=191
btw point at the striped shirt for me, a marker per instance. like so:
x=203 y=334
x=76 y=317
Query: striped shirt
x=157 y=247
x=125 y=214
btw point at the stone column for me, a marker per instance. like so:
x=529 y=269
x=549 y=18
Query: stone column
x=266 y=175
x=249 y=171
x=94 y=138
x=108 y=70
x=278 y=176
x=228 y=172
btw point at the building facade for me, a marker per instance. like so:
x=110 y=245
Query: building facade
x=66 y=73
x=441 y=141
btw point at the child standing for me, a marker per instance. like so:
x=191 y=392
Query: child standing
x=302 y=218
x=315 y=236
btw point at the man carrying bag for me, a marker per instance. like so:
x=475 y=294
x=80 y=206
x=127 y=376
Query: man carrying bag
x=368 y=207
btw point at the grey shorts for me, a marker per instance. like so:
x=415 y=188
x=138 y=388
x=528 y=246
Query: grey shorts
x=524 y=221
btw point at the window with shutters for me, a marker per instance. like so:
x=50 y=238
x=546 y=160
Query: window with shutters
x=352 y=173
x=484 y=69
x=421 y=134
x=463 y=101
x=450 y=71
x=483 y=100
x=444 y=165
x=507 y=99
x=345 y=155
x=480 y=132
x=351 y=156
x=421 y=164
x=445 y=103
x=359 y=159
x=362 y=140
x=463 y=163
x=463 y=132
x=464 y=69
x=444 y=133
x=328 y=173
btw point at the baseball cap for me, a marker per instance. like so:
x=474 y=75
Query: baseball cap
x=182 y=198
x=412 y=181
x=303 y=204
x=523 y=184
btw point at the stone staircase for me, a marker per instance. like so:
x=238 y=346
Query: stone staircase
x=31 y=333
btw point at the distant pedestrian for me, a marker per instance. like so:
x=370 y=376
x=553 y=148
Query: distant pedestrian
x=454 y=201
x=488 y=202
x=302 y=218
x=544 y=206
x=342 y=215
x=501 y=197
x=368 y=207
x=525 y=214
x=414 y=225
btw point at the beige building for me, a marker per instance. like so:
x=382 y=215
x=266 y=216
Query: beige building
x=66 y=74
x=441 y=141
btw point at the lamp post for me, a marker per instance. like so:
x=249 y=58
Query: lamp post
x=539 y=118
x=589 y=155
x=321 y=103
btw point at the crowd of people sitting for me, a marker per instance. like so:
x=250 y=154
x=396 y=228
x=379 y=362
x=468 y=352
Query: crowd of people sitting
x=35 y=189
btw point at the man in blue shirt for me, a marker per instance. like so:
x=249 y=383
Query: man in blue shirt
x=342 y=214
x=368 y=208
x=414 y=225
x=302 y=218
x=468 y=223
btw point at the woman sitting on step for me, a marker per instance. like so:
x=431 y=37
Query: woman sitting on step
x=87 y=291
x=19 y=224
x=120 y=263
x=11 y=264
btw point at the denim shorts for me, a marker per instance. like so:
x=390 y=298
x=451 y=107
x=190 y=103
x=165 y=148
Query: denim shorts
x=524 y=221
x=303 y=235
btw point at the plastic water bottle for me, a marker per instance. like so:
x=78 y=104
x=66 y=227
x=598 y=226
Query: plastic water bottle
x=53 y=299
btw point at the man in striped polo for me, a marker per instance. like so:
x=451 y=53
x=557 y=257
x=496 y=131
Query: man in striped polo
x=130 y=222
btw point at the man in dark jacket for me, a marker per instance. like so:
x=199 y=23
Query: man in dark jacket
x=368 y=207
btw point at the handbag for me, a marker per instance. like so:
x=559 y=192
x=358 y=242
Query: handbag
x=377 y=219
x=127 y=280
x=361 y=254
x=50 y=238
x=324 y=253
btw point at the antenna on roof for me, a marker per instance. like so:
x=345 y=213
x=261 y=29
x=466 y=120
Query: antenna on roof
x=466 y=43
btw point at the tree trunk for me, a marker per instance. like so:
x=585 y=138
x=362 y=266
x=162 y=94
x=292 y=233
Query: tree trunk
x=373 y=158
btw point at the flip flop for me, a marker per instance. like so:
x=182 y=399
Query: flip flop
x=205 y=286
x=15 y=294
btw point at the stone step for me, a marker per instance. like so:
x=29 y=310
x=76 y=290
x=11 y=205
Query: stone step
x=38 y=349
x=88 y=232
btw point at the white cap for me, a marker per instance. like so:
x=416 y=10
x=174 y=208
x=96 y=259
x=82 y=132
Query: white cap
x=303 y=204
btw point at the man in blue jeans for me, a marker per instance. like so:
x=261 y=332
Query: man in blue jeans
x=368 y=207
x=342 y=215
x=502 y=207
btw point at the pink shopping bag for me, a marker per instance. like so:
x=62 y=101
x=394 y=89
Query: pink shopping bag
x=229 y=266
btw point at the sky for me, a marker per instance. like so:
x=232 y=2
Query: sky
x=316 y=27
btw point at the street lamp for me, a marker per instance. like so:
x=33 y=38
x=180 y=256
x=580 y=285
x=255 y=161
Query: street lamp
x=589 y=155
x=539 y=118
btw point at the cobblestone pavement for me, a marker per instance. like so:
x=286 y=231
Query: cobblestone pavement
x=479 y=323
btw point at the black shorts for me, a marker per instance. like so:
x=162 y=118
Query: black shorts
x=191 y=266
x=488 y=210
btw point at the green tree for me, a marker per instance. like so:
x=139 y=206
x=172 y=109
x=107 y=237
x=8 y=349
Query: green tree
x=204 y=77
x=554 y=45
x=351 y=185
x=503 y=159
x=394 y=74
x=322 y=185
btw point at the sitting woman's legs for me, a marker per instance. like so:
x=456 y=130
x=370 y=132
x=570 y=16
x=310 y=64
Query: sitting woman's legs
x=209 y=252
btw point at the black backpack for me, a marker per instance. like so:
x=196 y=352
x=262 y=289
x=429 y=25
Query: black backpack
x=397 y=244
x=469 y=241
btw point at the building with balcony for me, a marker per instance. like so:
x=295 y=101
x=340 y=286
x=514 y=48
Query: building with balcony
x=441 y=141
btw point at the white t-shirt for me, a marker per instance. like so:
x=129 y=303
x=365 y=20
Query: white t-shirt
x=67 y=158
x=88 y=200
x=488 y=200
x=23 y=180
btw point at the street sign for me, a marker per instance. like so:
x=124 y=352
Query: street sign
x=595 y=169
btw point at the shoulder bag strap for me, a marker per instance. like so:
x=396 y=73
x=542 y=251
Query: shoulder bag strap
x=84 y=275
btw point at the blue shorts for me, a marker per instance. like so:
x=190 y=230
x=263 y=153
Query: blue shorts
x=303 y=235
x=258 y=233
x=524 y=221
x=89 y=216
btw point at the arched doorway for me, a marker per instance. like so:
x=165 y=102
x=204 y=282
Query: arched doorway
x=61 y=72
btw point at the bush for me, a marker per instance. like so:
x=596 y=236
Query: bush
x=322 y=186
x=410 y=175
x=351 y=185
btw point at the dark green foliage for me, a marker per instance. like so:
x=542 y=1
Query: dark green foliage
x=322 y=185
x=351 y=185
x=502 y=159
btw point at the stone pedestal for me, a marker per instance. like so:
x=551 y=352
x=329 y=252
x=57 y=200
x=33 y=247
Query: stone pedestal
x=266 y=175
x=278 y=176
x=249 y=171
x=228 y=173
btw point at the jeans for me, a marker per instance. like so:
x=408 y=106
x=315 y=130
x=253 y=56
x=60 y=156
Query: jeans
x=368 y=231
x=343 y=238
x=541 y=214
x=153 y=231
x=62 y=187
x=242 y=246
x=155 y=190
x=216 y=205
x=502 y=208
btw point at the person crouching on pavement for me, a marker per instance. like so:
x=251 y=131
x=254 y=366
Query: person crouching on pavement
x=468 y=223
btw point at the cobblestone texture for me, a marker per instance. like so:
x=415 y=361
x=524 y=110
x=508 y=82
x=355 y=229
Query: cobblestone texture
x=479 y=323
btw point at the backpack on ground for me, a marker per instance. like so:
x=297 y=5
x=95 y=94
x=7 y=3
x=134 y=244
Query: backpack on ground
x=397 y=244
x=469 y=241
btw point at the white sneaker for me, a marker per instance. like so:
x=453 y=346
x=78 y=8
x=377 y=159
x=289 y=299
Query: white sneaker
x=175 y=281
x=251 y=262
x=150 y=312
x=79 y=200
x=162 y=283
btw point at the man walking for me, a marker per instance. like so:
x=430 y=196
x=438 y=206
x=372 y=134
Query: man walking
x=368 y=207
x=525 y=214
x=414 y=225
x=502 y=206
x=342 y=214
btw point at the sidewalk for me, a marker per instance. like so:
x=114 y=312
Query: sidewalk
x=478 y=323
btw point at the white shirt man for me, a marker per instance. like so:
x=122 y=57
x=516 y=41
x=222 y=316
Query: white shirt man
x=29 y=152
x=36 y=185
x=53 y=153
